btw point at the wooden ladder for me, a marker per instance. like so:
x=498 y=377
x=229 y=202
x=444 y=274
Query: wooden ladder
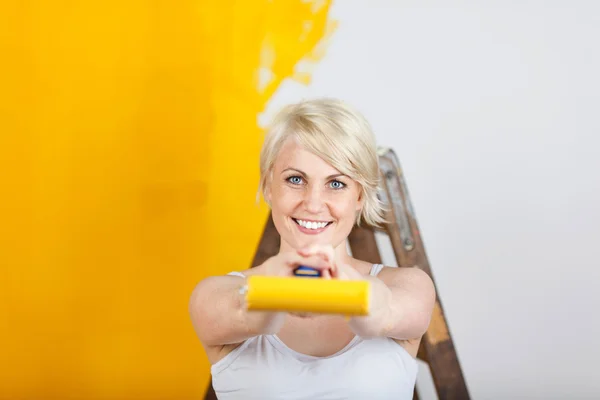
x=436 y=348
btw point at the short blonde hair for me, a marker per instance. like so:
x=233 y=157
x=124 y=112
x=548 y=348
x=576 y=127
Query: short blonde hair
x=335 y=132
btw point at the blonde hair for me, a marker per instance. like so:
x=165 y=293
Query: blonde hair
x=335 y=132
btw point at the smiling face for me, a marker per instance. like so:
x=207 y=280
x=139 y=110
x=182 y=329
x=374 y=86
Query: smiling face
x=311 y=201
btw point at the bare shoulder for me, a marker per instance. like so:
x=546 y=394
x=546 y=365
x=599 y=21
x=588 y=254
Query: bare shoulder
x=213 y=282
x=204 y=293
x=209 y=297
x=412 y=278
x=412 y=287
x=208 y=303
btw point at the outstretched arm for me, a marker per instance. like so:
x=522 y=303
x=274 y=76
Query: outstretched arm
x=217 y=308
x=401 y=303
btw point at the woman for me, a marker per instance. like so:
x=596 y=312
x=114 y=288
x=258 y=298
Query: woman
x=319 y=174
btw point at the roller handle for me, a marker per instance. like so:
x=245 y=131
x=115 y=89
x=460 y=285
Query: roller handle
x=307 y=272
x=302 y=271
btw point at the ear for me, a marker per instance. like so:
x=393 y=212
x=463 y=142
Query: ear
x=361 y=200
x=268 y=194
x=267 y=190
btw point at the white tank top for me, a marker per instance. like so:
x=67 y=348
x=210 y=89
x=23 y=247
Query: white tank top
x=264 y=368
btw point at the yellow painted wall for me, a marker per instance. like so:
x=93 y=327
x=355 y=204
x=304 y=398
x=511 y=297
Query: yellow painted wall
x=129 y=162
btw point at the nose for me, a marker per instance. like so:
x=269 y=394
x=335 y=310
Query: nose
x=314 y=200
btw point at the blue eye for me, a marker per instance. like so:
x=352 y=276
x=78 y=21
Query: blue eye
x=337 y=185
x=296 y=180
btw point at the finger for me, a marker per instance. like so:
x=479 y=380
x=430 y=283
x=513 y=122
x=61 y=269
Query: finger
x=313 y=261
x=321 y=250
x=334 y=273
x=324 y=251
x=342 y=269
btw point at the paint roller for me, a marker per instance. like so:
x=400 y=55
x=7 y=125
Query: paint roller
x=298 y=294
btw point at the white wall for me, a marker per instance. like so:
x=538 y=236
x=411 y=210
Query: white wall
x=494 y=113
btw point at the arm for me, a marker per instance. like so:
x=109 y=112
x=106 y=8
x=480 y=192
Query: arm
x=217 y=310
x=219 y=316
x=401 y=305
x=402 y=299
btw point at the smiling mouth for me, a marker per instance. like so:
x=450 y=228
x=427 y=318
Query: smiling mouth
x=313 y=225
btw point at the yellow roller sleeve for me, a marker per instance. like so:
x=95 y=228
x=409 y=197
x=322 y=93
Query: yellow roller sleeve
x=308 y=295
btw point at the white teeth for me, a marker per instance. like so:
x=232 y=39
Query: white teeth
x=311 y=224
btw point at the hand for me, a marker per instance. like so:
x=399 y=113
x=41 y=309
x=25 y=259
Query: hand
x=284 y=264
x=337 y=269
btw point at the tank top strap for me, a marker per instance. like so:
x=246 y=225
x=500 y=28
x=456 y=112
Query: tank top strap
x=235 y=273
x=376 y=269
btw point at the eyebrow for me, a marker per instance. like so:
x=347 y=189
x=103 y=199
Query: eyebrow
x=305 y=175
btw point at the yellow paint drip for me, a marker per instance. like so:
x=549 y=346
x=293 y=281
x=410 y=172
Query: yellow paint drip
x=129 y=155
x=312 y=295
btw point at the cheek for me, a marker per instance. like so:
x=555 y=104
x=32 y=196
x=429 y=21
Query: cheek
x=284 y=198
x=345 y=207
